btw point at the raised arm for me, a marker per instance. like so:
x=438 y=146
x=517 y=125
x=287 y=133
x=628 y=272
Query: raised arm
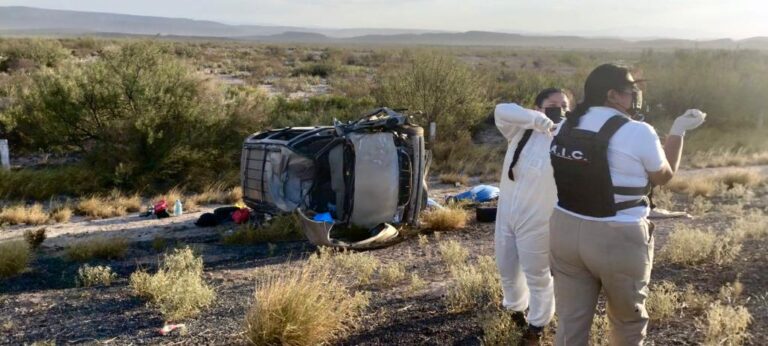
x=510 y=118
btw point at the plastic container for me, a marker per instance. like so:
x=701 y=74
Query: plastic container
x=178 y=209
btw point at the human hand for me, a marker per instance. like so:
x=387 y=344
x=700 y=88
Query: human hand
x=690 y=120
x=542 y=123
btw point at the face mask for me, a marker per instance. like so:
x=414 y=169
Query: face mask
x=637 y=102
x=637 y=105
x=556 y=114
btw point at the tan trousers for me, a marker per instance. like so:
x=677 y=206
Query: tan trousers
x=589 y=255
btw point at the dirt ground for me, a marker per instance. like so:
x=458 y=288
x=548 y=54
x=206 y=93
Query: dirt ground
x=44 y=304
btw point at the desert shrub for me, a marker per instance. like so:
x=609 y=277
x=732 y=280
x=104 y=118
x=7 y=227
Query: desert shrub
x=35 y=238
x=322 y=70
x=448 y=218
x=21 y=214
x=358 y=265
x=688 y=245
x=694 y=186
x=695 y=300
x=143 y=118
x=453 y=254
x=442 y=88
x=99 y=208
x=42 y=184
x=700 y=205
x=40 y=52
x=14 y=257
x=663 y=300
x=301 y=307
x=416 y=284
x=392 y=274
x=462 y=154
x=720 y=93
x=280 y=228
x=751 y=225
x=423 y=240
x=725 y=325
x=177 y=290
x=454 y=178
x=726 y=158
x=88 y=276
x=215 y=194
x=61 y=214
x=473 y=286
x=97 y=247
x=499 y=329
x=316 y=110
x=731 y=292
x=662 y=198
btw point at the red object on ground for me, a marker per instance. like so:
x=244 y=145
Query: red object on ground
x=241 y=216
x=160 y=206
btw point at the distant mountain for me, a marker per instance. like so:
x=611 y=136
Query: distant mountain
x=18 y=19
x=28 y=21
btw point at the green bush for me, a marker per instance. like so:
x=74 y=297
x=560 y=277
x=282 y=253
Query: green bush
x=442 y=88
x=143 y=118
x=40 y=52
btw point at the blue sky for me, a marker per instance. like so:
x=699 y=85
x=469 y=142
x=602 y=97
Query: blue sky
x=651 y=18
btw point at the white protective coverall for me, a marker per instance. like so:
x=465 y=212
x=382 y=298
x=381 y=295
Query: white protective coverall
x=522 y=221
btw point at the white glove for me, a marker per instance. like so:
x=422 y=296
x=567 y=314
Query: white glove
x=542 y=123
x=690 y=120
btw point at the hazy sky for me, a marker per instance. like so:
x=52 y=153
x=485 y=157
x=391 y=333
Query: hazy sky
x=671 y=18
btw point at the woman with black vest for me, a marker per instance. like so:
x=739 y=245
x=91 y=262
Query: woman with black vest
x=604 y=166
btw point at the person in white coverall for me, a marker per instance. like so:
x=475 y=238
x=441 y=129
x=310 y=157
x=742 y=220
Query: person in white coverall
x=524 y=208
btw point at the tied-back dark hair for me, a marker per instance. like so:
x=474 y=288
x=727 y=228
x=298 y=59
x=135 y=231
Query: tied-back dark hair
x=546 y=93
x=602 y=79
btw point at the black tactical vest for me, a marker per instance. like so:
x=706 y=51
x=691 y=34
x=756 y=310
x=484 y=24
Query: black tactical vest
x=583 y=179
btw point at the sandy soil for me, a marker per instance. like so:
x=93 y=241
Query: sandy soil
x=43 y=304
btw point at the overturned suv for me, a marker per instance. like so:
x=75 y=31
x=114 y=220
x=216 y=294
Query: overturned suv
x=351 y=184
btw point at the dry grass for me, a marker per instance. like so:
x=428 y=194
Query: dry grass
x=453 y=254
x=20 y=214
x=499 y=329
x=725 y=325
x=14 y=257
x=663 y=300
x=689 y=246
x=731 y=292
x=417 y=283
x=88 y=276
x=662 y=198
x=454 y=179
x=280 y=228
x=177 y=290
x=751 y=225
x=62 y=214
x=451 y=217
x=695 y=301
x=99 y=208
x=473 y=286
x=97 y=247
x=359 y=265
x=392 y=274
x=725 y=158
x=302 y=307
x=35 y=238
x=700 y=205
x=710 y=185
x=214 y=194
x=423 y=241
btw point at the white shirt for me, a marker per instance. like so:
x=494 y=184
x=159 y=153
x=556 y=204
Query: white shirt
x=633 y=151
